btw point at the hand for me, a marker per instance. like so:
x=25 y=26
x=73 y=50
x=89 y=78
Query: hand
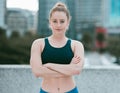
x=47 y=65
x=75 y=60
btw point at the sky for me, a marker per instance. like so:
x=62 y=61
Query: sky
x=33 y=6
x=24 y=4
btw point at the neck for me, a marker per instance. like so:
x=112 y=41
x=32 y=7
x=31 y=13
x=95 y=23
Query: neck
x=58 y=38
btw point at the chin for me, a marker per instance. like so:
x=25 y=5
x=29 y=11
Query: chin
x=58 y=30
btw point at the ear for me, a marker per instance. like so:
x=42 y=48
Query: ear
x=67 y=26
x=70 y=19
x=69 y=22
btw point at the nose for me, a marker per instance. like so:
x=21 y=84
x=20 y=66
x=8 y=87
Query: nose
x=58 y=24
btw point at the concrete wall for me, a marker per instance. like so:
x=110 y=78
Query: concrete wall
x=19 y=79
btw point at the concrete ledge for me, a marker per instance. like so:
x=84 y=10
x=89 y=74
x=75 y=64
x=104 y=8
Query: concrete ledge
x=96 y=79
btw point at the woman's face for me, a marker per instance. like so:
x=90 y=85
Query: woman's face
x=59 y=22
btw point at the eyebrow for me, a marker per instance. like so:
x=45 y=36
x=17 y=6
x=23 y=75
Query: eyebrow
x=55 y=19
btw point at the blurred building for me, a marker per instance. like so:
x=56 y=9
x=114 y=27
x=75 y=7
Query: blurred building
x=114 y=31
x=114 y=18
x=91 y=14
x=34 y=29
x=43 y=14
x=19 y=20
x=115 y=13
x=86 y=15
x=2 y=13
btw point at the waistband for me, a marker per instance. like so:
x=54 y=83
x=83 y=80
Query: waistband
x=43 y=91
x=74 y=90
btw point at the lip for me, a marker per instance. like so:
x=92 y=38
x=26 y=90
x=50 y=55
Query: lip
x=58 y=29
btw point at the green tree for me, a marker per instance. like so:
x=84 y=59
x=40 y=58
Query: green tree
x=15 y=34
x=87 y=41
x=3 y=38
x=100 y=37
x=114 y=47
x=16 y=50
x=101 y=40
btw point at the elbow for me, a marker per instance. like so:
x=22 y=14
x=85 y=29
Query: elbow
x=35 y=69
x=37 y=75
x=78 y=68
x=76 y=72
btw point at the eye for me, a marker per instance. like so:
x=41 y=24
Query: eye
x=54 y=21
x=62 y=21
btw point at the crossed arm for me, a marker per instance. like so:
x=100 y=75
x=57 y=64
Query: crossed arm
x=76 y=64
x=56 y=70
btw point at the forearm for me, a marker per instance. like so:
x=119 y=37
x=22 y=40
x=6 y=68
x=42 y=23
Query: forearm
x=73 y=68
x=68 y=69
x=46 y=72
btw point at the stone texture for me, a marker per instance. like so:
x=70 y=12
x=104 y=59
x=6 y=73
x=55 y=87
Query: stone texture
x=96 y=79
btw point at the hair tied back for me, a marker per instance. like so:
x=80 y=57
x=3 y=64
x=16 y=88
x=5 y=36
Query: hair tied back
x=60 y=4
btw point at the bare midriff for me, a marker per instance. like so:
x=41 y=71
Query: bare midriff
x=58 y=85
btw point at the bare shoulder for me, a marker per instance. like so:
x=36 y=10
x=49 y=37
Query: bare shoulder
x=77 y=43
x=76 y=47
x=38 y=43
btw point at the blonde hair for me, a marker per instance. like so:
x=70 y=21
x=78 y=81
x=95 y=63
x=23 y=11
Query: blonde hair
x=61 y=7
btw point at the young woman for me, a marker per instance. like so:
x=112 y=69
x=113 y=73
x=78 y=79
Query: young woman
x=57 y=58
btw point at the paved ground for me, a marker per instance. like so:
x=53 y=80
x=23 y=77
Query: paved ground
x=94 y=58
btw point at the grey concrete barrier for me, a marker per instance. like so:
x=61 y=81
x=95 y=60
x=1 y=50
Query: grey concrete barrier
x=93 y=79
